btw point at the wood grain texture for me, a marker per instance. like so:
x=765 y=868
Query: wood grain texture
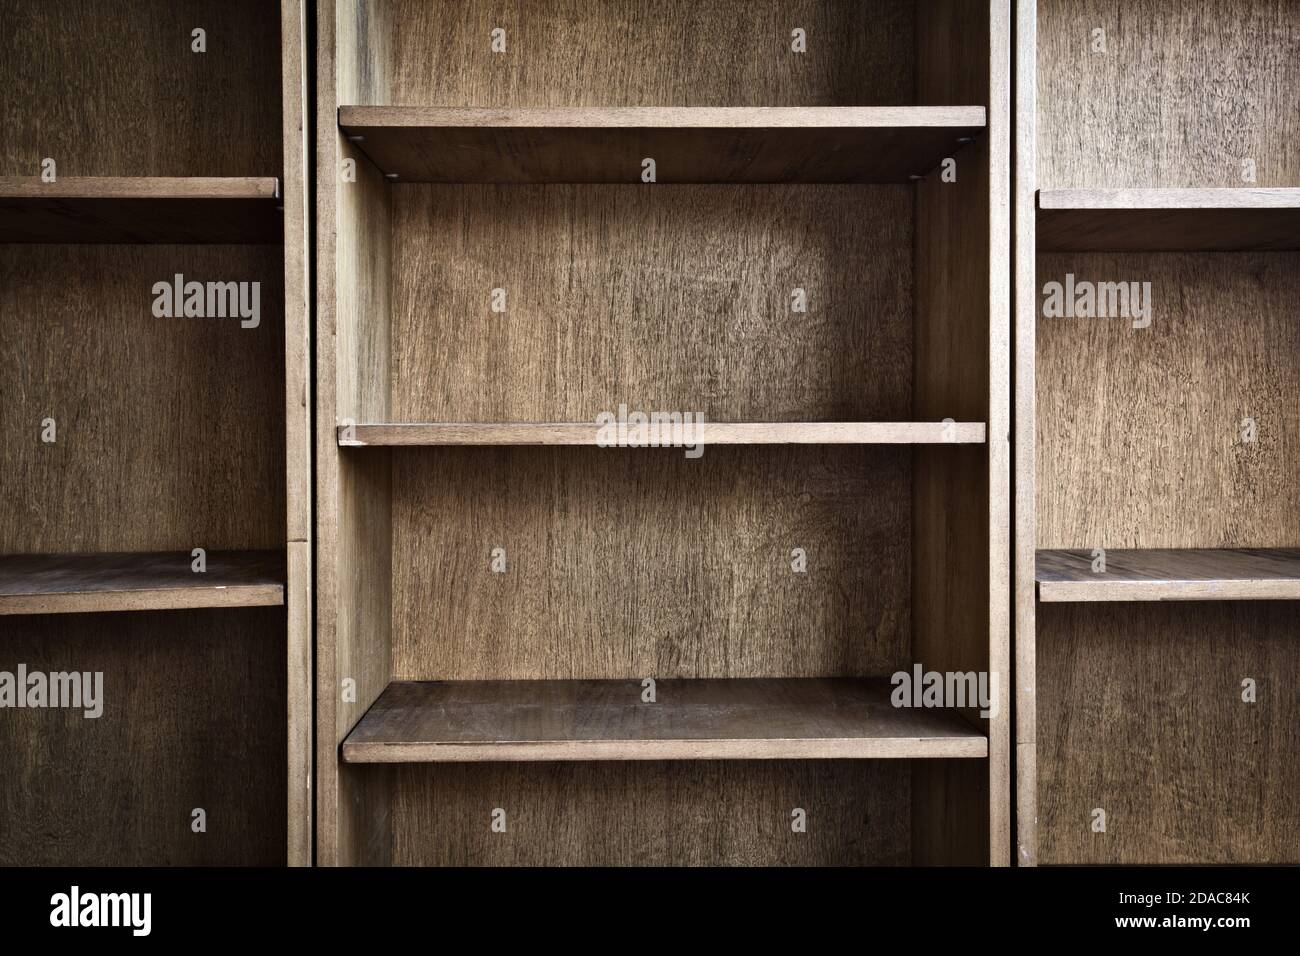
x=1140 y=713
x=298 y=287
x=193 y=716
x=664 y=299
x=140 y=210
x=695 y=813
x=170 y=432
x=1139 y=430
x=1168 y=220
x=767 y=719
x=706 y=433
x=353 y=497
x=1024 y=413
x=683 y=571
x=77 y=583
x=1184 y=93
x=625 y=53
x=959 y=510
x=881 y=144
x=114 y=89
x=1222 y=574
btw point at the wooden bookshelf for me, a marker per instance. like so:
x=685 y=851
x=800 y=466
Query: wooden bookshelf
x=881 y=144
x=707 y=433
x=495 y=274
x=1172 y=574
x=762 y=719
x=135 y=435
x=1174 y=437
x=1168 y=220
x=86 y=583
x=141 y=209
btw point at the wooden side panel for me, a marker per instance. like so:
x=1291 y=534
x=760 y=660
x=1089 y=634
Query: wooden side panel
x=1141 y=715
x=671 y=53
x=633 y=563
x=192 y=719
x=1140 y=430
x=666 y=298
x=116 y=89
x=1025 y=325
x=169 y=431
x=961 y=500
x=654 y=814
x=353 y=494
x=1183 y=94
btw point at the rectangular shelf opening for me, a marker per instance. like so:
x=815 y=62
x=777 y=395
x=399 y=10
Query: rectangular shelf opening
x=880 y=144
x=83 y=583
x=1171 y=574
x=141 y=209
x=736 y=719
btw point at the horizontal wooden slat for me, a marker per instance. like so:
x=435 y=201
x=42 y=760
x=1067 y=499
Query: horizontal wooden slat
x=1158 y=220
x=741 y=719
x=881 y=144
x=1171 y=575
x=80 y=583
x=130 y=209
x=708 y=433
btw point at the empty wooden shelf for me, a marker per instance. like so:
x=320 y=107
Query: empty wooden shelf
x=1168 y=220
x=707 y=433
x=1193 y=574
x=755 y=719
x=75 y=583
x=141 y=209
x=879 y=144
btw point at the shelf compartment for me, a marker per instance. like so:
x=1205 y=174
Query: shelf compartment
x=140 y=209
x=82 y=583
x=879 y=144
x=1168 y=220
x=1242 y=574
x=738 y=719
x=708 y=433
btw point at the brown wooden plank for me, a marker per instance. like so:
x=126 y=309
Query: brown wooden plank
x=139 y=210
x=1168 y=220
x=707 y=433
x=768 y=719
x=689 y=144
x=1171 y=574
x=80 y=583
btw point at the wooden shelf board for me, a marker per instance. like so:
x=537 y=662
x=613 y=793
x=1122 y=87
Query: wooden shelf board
x=708 y=433
x=740 y=719
x=80 y=583
x=879 y=144
x=131 y=209
x=1171 y=575
x=1168 y=220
